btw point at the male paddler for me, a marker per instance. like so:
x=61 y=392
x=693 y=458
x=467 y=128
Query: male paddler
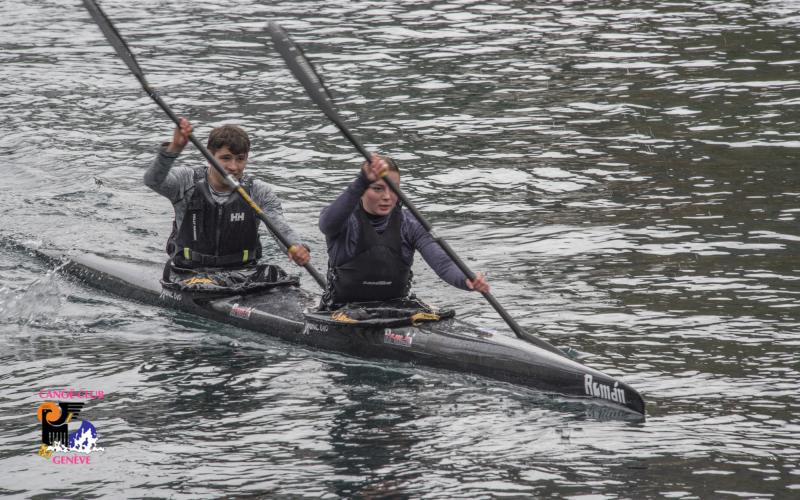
x=214 y=227
x=371 y=242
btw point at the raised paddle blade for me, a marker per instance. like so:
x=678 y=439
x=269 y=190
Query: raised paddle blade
x=301 y=68
x=115 y=39
x=304 y=71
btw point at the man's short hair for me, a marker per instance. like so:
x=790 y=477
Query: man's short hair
x=232 y=136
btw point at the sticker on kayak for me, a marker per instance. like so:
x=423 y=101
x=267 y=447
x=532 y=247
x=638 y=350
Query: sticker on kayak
x=314 y=328
x=402 y=338
x=170 y=295
x=240 y=312
x=603 y=391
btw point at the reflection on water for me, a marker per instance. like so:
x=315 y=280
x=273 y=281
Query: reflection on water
x=625 y=171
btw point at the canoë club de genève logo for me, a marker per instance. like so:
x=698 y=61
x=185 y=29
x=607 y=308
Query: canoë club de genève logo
x=60 y=444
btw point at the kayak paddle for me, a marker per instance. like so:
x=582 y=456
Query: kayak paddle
x=302 y=69
x=116 y=41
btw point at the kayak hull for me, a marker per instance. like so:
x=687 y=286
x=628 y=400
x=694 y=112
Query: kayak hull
x=450 y=344
x=460 y=346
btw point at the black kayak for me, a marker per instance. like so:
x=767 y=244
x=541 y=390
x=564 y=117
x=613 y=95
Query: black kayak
x=288 y=312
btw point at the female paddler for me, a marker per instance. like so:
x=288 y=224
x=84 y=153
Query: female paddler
x=371 y=242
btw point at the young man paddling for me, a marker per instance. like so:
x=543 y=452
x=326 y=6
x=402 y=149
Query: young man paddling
x=371 y=242
x=214 y=227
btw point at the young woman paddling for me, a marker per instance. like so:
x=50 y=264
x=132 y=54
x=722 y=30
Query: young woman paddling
x=371 y=242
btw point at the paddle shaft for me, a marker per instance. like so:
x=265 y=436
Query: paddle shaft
x=118 y=43
x=304 y=71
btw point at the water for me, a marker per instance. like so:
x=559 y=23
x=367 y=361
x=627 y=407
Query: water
x=625 y=171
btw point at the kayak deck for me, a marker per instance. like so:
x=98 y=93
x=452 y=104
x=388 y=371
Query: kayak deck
x=449 y=344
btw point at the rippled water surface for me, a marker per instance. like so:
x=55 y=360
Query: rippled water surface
x=625 y=172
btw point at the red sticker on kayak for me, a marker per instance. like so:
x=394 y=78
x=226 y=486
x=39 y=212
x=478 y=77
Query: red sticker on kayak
x=238 y=311
x=403 y=339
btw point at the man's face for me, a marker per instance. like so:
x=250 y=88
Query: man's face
x=231 y=163
x=378 y=199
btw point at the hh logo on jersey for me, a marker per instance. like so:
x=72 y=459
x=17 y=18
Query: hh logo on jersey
x=237 y=217
x=59 y=444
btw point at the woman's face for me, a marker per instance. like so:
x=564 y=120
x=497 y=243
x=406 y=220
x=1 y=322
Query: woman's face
x=378 y=199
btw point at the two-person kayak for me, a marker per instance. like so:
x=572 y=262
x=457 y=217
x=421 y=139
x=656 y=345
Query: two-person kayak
x=288 y=312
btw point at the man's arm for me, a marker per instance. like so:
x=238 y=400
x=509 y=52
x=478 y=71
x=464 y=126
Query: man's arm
x=160 y=177
x=269 y=202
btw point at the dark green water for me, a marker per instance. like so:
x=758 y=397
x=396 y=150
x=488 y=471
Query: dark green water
x=625 y=172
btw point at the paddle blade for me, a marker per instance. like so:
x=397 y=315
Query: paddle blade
x=302 y=69
x=115 y=39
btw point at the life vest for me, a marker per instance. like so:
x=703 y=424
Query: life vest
x=377 y=271
x=215 y=234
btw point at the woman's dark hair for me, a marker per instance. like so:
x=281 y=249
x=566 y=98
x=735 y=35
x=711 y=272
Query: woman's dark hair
x=392 y=164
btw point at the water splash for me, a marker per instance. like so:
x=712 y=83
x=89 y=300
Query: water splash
x=39 y=303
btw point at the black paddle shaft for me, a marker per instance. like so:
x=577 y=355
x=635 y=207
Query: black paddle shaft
x=304 y=71
x=115 y=39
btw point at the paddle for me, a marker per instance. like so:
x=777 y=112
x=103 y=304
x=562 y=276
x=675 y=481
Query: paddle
x=308 y=77
x=116 y=41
